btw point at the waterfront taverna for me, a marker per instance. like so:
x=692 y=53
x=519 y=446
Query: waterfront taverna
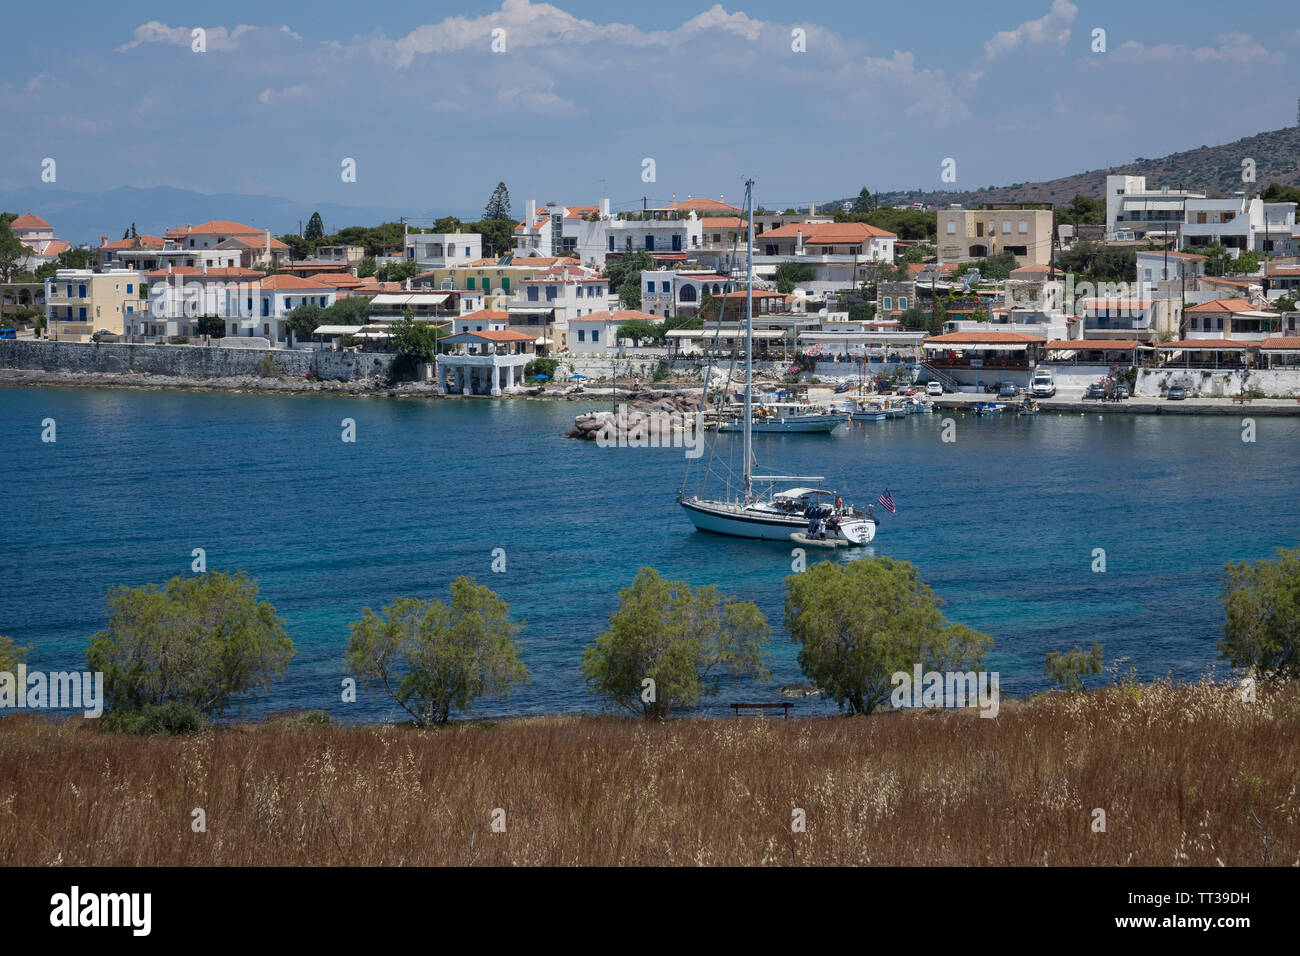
x=476 y=360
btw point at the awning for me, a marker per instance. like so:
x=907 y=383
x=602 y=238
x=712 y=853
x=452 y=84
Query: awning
x=338 y=329
x=980 y=347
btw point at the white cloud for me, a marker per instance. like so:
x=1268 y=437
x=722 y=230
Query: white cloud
x=1051 y=29
x=295 y=92
x=218 y=39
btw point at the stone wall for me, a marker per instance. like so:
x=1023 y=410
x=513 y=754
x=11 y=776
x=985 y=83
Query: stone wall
x=190 y=361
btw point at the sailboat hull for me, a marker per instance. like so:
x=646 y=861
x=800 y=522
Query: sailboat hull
x=794 y=424
x=755 y=522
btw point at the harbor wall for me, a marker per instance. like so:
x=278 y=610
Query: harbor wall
x=1216 y=383
x=187 y=361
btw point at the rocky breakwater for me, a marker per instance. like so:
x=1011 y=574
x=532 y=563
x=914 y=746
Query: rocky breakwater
x=669 y=421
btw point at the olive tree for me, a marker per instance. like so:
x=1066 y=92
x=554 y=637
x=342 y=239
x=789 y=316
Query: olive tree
x=859 y=624
x=199 y=641
x=668 y=645
x=433 y=658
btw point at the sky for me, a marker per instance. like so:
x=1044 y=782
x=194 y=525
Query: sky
x=580 y=94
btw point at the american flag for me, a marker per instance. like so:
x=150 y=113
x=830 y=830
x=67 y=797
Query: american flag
x=886 y=501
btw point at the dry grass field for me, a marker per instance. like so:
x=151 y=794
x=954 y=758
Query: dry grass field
x=1186 y=775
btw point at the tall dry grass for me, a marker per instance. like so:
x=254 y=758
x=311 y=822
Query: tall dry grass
x=1187 y=775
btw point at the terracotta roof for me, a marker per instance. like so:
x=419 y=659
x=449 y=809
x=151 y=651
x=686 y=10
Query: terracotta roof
x=55 y=246
x=218 y=227
x=257 y=241
x=1217 y=280
x=725 y=222
x=491 y=315
x=135 y=242
x=29 y=221
x=501 y=335
x=1281 y=343
x=703 y=205
x=829 y=233
x=992 y=338
x=621 y=316
x=295 y=283
x=1223 y=305
x=1031 y=269
x=916 y=268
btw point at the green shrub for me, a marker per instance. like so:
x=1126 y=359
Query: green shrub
x=168 y=719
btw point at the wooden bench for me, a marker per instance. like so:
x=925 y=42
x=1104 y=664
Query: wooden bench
x=1243 y=398
x=785 y=706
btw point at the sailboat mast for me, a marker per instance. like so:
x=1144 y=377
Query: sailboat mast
x=749 y=342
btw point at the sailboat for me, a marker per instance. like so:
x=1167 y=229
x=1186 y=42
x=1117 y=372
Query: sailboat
x=801 y=513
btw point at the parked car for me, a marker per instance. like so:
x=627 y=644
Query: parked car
x=1176 y=393
x=1095 y=390
x=1044 y=384
x=993 y=387
x=933 y=388
x=1008 y=390
x=907 y=390
x=1119 y=393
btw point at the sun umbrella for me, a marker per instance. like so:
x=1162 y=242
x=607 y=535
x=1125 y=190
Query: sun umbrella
x=538 y=378
x=576 y=377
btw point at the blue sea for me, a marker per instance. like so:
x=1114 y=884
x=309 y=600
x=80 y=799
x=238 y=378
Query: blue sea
x=1003 y=524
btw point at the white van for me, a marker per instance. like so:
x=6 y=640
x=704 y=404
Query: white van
x=1043 y=385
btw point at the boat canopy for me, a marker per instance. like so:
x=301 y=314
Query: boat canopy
x=803 y=493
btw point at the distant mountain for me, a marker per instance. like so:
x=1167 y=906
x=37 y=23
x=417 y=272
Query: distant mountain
x=81 y=218
x=1214 y=170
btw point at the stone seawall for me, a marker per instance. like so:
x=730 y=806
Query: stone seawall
x=188 y=361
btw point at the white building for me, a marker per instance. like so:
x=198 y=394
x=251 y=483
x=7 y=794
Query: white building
x=483 y=363
x=594 y=233
x=1133 y=208
x=1239 y=223
x=266 y=304
x=571 y=291
x=665 y=292
x=179 y=296
x=444 y=250
x=596 y=334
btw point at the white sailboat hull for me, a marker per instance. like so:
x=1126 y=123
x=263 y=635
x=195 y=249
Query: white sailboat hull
x=757 y=522
x=795 y=423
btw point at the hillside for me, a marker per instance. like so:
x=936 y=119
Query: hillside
x=1214 y=169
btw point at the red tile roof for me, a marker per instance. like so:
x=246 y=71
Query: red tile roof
x=1281 y=342
x=217 y=227
x=1205 y=344
x=703 y=205
x=829 y=233
x=621 y=316
x=1223 y=305
x=135 y=242
x=295 y=283
x=501 y=335
x=29 y=221
x=490 y=315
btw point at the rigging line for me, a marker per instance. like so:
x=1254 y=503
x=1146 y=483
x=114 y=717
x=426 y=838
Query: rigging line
x=708 y=371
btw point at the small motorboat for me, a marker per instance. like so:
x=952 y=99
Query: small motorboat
x=812 y=541
x=987 y=408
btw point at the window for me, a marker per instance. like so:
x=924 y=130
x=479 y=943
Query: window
x=1006 y=226
x=469 y=282
x=81 y=313
x=69 y=292
x=595 y=335
x=649 y=243
x=1023 y=227
x=611 y=243
x=889 y=302
x=467 y=251
x=1192 y=323
x=1218 y=324
x=532 y=293
x=952 y=228
x=664 y=287
x=81 y=291
x=551 y=292
x=117 y=287
x=902 y=302
x=505 y=284
x=582 y=335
